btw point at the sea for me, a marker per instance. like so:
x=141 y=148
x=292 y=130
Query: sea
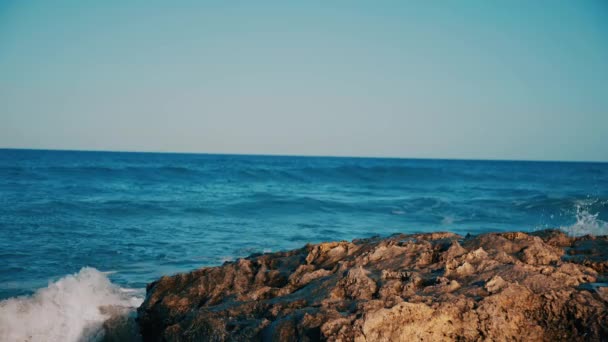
x=82 y=230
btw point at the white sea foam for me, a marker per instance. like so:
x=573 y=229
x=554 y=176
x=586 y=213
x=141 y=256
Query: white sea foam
x=70 y=309
x=448 y=220
x=587 y=223
x=226 y=259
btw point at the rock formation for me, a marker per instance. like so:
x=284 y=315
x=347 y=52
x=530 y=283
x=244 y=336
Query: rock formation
x=420 y=287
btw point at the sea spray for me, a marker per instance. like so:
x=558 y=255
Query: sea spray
x=587 y=222
x=74 y=308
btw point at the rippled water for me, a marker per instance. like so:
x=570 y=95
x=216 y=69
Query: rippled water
x=142 y=215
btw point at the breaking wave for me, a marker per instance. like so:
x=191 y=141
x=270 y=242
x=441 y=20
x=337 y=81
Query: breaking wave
x=587 y=222
x=74 y=308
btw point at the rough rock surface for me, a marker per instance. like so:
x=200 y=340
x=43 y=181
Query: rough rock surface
x=422 y=287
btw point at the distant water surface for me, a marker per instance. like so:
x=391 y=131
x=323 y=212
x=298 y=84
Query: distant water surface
x=142 y=215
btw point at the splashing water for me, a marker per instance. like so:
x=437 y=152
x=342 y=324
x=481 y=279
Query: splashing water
x=587 y=223
x=73 y=308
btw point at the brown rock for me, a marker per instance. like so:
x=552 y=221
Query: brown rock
x=428 y=287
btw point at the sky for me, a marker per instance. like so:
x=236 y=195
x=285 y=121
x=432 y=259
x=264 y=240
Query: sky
x=419 y=79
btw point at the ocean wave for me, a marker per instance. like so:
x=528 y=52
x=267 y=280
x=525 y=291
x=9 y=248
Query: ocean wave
x=268 y=203
x=74 y=308
x=587 y=221
x=74 y=172
x=359 y=173
x=294 y=170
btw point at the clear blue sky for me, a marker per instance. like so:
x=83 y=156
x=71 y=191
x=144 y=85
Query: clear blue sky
x=433 y=79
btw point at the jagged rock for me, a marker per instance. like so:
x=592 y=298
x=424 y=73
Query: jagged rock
x=121 y=326
x=439 y=286
x=495 y=284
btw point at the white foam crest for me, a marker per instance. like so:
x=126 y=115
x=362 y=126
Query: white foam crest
x=70 y=309
x=587 y=223
x=448 y=220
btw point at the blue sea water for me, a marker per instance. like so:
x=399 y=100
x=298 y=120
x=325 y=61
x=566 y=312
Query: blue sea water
x=139 y=216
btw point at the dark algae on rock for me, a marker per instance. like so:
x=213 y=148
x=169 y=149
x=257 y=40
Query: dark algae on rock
x=543 y=286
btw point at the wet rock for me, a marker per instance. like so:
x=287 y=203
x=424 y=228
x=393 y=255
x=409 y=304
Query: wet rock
x=429 y=287
x=121 y=326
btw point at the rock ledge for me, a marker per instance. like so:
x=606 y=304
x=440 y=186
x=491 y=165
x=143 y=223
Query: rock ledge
x=437 y=286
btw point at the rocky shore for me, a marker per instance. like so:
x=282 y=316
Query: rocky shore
x=422 y=287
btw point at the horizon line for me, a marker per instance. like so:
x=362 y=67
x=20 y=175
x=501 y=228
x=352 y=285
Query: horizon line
x=304 y=155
